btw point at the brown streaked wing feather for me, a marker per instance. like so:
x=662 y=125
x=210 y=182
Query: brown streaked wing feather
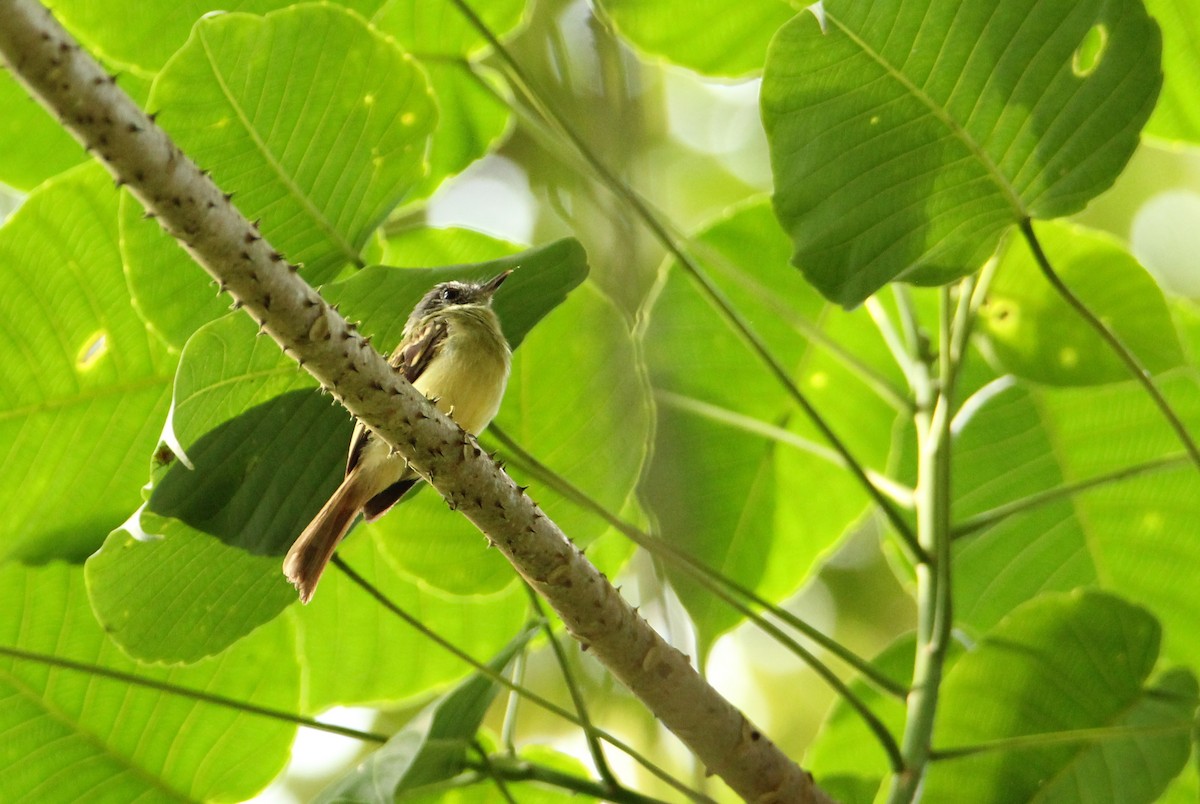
x=412 y=357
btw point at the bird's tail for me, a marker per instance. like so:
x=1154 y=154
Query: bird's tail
x=314 y=547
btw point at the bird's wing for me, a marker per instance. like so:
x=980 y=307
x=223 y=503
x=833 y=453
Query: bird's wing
x=412 y=357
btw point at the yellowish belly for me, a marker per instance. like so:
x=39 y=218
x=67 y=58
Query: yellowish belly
x=467 y=378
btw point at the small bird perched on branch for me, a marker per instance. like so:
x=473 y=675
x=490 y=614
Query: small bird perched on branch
x=454 y=352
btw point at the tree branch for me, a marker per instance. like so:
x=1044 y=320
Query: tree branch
x=87 y=101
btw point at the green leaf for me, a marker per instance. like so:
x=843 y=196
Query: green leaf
x=1036 y=335
x=74 y=736
x=430 y=30
x=472 y=110
x=724 y=38
x=239 y=490
x=34 y=145
x=473 y=116
x=313 y=119
x=85 y=384
x=142 y=36
x=954 y=121
x=1058 y=664
x=1141 y=531
x=226 y=370
x=181 y=595
x=721 y=487
x=1177 y=115
x=428 y=247
x=845 y=756
x=1003 y=453
x=345 y=627
x=432 y=748
x=218 y=532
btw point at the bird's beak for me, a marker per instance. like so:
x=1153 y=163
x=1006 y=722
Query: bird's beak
x=493 y=285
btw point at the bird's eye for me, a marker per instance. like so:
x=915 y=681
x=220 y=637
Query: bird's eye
x=450 y=294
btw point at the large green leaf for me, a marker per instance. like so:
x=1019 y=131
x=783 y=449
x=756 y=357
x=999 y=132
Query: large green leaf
x=1177 y=115
x=1058 y=664
x=432 y=748
x=1037 y=335
x=473 y=117
x=345 y=627
x=472 y=112
x=34 y=145
x=427 y=246
x=1004 y=453
x=262 y=461
x=1133 y=534
x=1141 y=531
x=726 y=38
x=71 y=735
x=845 y=756
x=142 y=36
x=85 y=385
x=209 y=574
x=721 y=488
x=907 y=137
x=316 y=121
x=439 y=30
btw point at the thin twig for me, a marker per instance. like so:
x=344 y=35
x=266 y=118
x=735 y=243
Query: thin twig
x=1001 y=512
x=191 y=694
x=1028 y=741
x=1110 y=337
x=934 y=583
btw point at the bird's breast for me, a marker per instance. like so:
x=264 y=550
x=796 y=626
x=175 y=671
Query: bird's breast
x=468 y=375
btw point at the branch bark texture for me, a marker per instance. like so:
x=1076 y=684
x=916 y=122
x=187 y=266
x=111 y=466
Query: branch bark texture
x=190 y=206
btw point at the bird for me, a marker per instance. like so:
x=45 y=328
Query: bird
x=453 y=351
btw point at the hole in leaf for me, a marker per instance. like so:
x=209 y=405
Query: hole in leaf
x=1090 y=51
x=92 y=350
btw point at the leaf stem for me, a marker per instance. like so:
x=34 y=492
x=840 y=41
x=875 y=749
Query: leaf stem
x=191 y=694
x=992 y=516
x=514 y=769
x=934 y=583
x=902 y=495
x=1075 y=736
x=1110 y=337
x=508 y=727
x=660 y=231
